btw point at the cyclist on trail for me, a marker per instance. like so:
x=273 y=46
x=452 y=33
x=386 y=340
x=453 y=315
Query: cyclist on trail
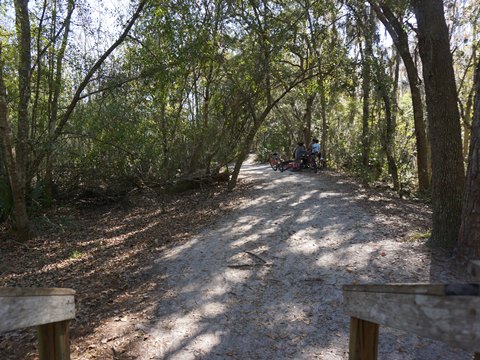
x=315 y=147
x=299 y=152
x=299 y=155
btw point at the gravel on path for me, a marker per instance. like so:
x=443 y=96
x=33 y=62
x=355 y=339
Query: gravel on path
x=265 y=281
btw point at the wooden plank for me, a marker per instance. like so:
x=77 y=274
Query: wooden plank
x=53 y=341
x=15 y=292
x=25 y=311
x=363 y=340
x=474 y=269
x=424 y=289
x=452 y=319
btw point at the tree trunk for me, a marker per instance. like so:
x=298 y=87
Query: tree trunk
x=366 y=107
x=394 y=107
x=21 y=216
x=307 y=118
x=56 y=82
x=18 y=163
x=320 y=80
x=443 y=120
x=469 y=236
x=467 y=113
x=467 y=126
x=367 y=57
x=243 y=154
x=390 y=128
x=400 y=39
x=24 y=65
x=323 y=114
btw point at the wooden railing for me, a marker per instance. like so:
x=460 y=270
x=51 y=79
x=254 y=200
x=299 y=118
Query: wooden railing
x=48 y=309
x=449 y=313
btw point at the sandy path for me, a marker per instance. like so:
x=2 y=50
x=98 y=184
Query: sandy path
x=265 y=281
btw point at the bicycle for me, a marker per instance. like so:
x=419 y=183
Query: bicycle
x=275 y=161
x=310 y=162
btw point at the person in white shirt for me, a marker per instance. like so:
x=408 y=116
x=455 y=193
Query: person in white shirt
x=315 y=147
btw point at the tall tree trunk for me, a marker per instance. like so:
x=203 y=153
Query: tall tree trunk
x=467 y=111
x=469 y=236
x=24 y=64
x=323 y=114
x=21 y=216
x=307 y=118
x=443 y=120
x=366 y=106
x=20 y=161
x=367 y=59
x=245 y=148
x=163 y=132
x=389 y=101
x=400 y=39
x=315 y=49
x=57 y=72
x=394 y=170
x=37 y=91
x=467 y=126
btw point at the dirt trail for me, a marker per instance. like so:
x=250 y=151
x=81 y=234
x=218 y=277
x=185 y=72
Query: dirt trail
x=265 y=281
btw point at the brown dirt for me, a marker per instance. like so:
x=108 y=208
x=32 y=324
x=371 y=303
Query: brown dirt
x=105 y=252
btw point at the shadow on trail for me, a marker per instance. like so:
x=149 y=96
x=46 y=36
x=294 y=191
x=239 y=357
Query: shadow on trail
x=265 y=282
x=105 y=254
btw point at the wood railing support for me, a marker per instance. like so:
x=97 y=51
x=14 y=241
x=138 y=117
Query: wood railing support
x=363 y=340
x=54 y=341
x=48 y=309
x=449 y=313
x=474 y=270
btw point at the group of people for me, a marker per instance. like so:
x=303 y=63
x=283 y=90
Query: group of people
x=300 y=152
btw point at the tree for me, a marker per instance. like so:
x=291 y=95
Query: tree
x=367 y=60
x=26 y=162
x=388 y=93
x=469 y=236
x=269 y=81
x=443 y=121
x=9 y=155
x=18 y=163
x=400 y=38
x=322 y=40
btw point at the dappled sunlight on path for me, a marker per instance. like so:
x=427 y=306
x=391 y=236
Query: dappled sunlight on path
x=265 y=281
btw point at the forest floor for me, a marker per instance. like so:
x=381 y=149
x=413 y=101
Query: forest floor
x=253 y=274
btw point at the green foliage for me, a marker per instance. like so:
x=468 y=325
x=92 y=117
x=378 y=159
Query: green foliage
x=185 y=89
x=38 y=196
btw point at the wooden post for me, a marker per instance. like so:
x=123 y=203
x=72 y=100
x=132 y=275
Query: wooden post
x=50 y=309
x=363 y=339
x=53 y=341
x=474 y=269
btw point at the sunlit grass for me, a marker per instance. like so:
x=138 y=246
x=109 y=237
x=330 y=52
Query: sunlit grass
x=417 y=236
x=75 y=254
